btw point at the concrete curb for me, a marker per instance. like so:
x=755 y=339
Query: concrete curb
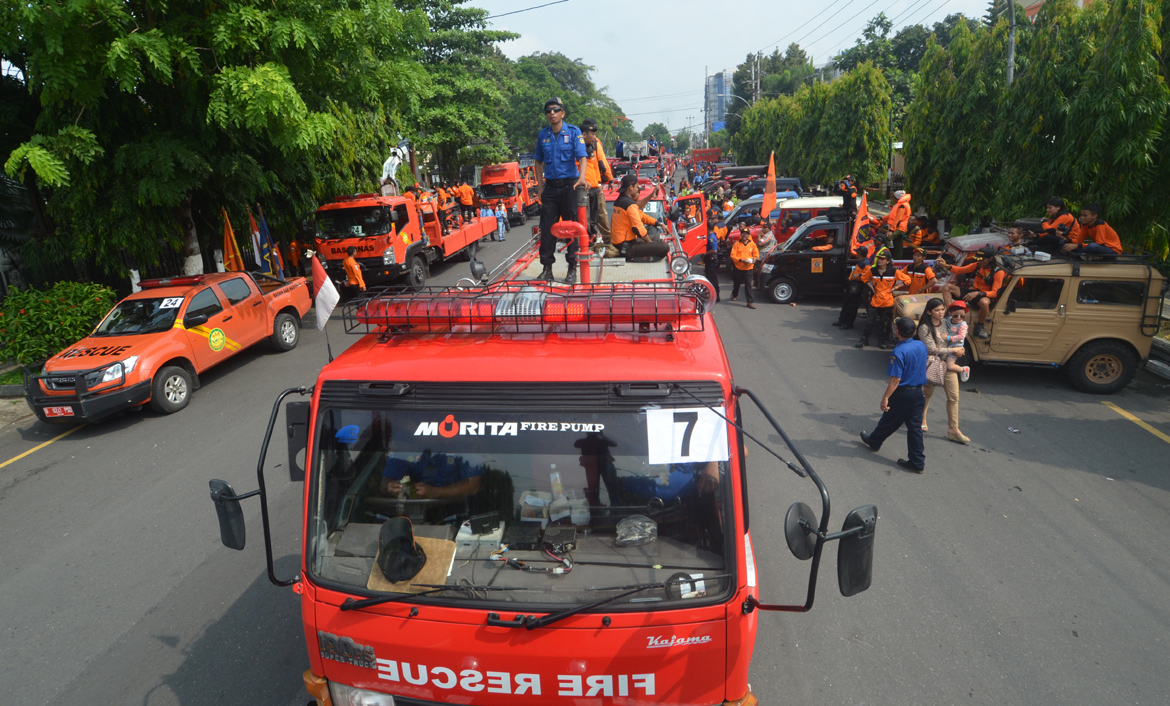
x=11 y=391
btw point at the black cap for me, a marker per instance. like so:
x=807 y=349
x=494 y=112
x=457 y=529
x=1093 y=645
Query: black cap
x=905 y=326
x=554 y=101
x=399 y=556
x=629 y=178
x=588 y=124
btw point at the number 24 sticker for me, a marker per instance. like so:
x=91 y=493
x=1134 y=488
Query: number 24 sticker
x=171 y=303
x=685 y=435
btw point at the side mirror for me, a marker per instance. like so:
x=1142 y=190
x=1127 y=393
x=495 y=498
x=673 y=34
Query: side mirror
x=855 y=553
x=194 y=320
x=675 y=213
x=231 y=517
x=800 y=530
x=296 y=420
x=1010 y=307
x=479 y=271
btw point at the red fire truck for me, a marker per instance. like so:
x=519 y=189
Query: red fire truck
x=568 y=529
x=395 y=238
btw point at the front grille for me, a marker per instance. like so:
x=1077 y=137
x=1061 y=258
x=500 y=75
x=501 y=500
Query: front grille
x=61 y=383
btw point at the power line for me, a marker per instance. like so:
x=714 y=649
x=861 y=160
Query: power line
x=938 y=7
x=803 y=25
x=517 y=12
x=907 y=24
x=665 y=95
x=669 y=110
x=905 y=12
x=827 y=19
x=810 y=44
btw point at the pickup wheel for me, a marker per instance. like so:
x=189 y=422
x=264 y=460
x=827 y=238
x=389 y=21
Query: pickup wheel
x=418 y=273
x=171 y=390
x=1102 y=367
x=782 y=290
x=285 y=332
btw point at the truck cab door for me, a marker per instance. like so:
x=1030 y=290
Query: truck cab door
x=807 y=266
x=248 y=314
x=208 y=339
x=693 y=236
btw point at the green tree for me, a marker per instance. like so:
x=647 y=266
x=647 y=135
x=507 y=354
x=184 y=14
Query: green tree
x=658 y=129
x=460 y=122
x=151 y=117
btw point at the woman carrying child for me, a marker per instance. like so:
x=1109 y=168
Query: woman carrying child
x=932 y=331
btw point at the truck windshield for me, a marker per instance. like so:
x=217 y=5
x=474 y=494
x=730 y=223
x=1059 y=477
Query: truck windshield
x=581 y=500
x=497 y=191
x=353 y=222
x=135 y=316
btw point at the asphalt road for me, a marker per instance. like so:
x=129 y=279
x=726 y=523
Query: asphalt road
x=1027 y=568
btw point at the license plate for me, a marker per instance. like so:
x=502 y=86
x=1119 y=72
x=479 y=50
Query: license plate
x=58 y=411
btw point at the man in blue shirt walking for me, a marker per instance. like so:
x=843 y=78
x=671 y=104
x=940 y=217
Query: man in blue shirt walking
x=560 y=171
x=903 y=401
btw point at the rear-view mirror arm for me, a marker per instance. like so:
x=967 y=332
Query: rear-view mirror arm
x=263 y=490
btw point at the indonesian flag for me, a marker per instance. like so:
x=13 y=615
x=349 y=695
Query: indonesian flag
x=862 y=217
x=324 y=294
x=232 y=262
x=769 y=204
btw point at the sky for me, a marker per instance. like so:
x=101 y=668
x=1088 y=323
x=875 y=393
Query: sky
x=652 y=55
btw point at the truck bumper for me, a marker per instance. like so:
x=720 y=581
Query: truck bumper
x=92 y=407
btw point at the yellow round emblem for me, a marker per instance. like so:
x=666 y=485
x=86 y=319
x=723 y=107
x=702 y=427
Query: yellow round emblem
x=216 y=339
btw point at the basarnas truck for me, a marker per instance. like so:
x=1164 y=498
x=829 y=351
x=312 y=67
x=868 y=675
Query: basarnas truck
x=505 y=183
x=396 y=240
x=569 y=529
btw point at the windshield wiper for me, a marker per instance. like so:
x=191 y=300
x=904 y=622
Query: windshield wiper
x=351 y=604
x=531 y=622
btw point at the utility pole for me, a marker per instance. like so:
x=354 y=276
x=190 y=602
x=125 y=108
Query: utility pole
x=1011 y=59
x=890 y=168
x=706 y=99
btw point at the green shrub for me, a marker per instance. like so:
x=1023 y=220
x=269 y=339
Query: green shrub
x=37 y=324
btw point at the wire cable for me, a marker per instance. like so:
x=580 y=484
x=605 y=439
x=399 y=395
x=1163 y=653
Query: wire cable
x=802 y=26
x=517 y=12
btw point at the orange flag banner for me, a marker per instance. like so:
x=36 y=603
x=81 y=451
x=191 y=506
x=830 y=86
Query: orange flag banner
x=231 y=252
x=860 y=219
x=769 y=204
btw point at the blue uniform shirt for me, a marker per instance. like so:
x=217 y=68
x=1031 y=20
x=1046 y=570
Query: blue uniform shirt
x=908 y=362
x=560 y=151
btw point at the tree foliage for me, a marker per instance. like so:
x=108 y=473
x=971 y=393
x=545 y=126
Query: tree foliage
x=1084 y=119
x=824 y=131
x=780 y=73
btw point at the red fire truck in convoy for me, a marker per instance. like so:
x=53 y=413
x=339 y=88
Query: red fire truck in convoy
x=505 y=182
x=578 y=529
x=395 y=238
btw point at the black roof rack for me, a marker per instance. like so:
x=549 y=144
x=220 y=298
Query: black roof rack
x=530 y=307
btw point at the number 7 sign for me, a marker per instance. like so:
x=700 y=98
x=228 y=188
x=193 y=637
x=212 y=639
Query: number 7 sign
x=685 y=435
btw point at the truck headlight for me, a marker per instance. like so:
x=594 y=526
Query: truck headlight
x=343 y=695
x=766 y=269
x=388 y=256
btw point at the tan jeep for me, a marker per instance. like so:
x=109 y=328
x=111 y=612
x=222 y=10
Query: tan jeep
x=1095 y=319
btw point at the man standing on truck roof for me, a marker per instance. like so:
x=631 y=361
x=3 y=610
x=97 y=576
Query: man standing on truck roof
x=597 y=172
x=560 y=158
x=898 y=221
x=466 y=201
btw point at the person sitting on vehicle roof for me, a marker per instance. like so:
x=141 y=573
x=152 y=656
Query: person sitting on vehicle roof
x=1057 y=229
x=847 y=190
x=628 y=221
x=985 y=286
x=1095 y=236
x=921 y=275
x=924 y=233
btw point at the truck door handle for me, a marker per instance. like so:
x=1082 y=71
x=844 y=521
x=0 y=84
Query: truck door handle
x=227 y=319
x=1060 y=310
x=258 y=302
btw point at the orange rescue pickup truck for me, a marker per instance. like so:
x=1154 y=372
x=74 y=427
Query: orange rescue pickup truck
x=152 y=346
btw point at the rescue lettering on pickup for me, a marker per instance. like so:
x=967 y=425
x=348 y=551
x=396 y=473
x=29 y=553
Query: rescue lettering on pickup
x=473 y=680
x=98 y=351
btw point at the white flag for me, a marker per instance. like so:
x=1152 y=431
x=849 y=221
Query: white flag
x=324 y=293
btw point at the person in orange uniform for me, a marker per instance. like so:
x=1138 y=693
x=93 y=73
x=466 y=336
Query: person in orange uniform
x=985 y=287
x=744 y=255
x=466 y=201
x=1058 y=229
x=353 y=271
x=880 y=280
x=925 y=234
x=898 y=221
x=921 y=275
x=629 y=223
x=597 y=172
x=1095 y=236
